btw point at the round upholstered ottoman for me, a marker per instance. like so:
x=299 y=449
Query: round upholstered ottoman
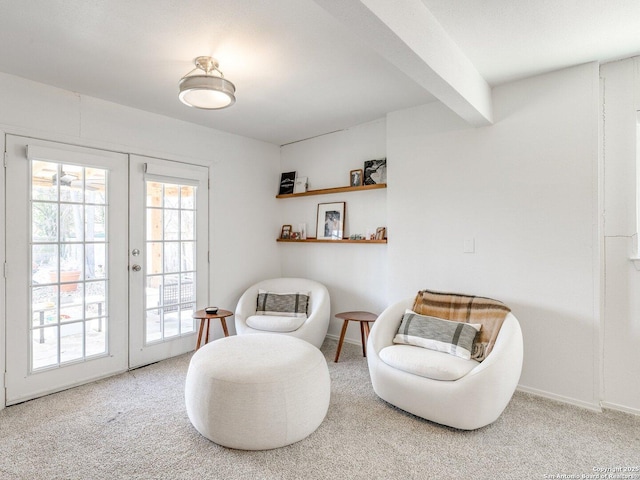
x=257 y=392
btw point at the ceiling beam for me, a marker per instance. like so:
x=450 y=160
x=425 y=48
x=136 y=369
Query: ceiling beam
x=407 y=35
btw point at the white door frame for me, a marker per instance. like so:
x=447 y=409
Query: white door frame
x=74 y=141
x=3 y=310
x=142 y=168
x=23 y=383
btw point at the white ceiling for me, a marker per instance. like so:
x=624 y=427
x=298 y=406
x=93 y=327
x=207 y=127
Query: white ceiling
x=299 y=70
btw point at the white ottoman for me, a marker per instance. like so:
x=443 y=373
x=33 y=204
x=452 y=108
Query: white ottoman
x=257 y=392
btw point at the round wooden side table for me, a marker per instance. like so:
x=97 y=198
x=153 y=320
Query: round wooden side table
x=364 y=318
x=206 y=317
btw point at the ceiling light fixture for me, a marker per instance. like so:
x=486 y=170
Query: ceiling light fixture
x=210 y=90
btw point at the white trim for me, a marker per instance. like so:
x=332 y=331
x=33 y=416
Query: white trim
x=110 y=147
x=64 y=154
x=3 y=330
x=174 y=179
x=21 y=384
x=636 y=262
x=539 y=393
x=179 y=171
x=77 y=140
x=141 y=169
x=636 y=250
x=620 y=408
x=599 y=253
x=346 y=339
x=84 y=381
x=594 y=407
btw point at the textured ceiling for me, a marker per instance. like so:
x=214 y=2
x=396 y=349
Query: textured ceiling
x=299 y=72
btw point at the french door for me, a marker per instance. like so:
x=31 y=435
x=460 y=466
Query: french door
x=168 y=257
x=66 y=284
x=81 y=302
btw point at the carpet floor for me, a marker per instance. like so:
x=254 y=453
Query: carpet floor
x=134 y=426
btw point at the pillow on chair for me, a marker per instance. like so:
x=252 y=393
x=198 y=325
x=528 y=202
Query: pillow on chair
x=294 y=304
x=466 y=308
x=455 y=338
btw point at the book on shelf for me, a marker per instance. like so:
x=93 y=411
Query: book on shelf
x=287 y=182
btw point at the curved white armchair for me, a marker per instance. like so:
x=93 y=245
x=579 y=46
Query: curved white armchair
x=313 y=330
x=470 y=402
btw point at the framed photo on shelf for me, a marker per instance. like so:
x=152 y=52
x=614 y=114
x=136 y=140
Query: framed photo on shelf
x=375 y=171
x=285 y=234
x=330 y=224
x=381 y=233
x=300 y=185
x=355 y=178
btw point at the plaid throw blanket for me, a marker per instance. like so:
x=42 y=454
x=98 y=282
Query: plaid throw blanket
x=469 y=309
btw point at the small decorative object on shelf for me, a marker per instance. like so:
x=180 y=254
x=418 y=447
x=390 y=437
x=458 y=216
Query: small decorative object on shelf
x=381 y=233
x=355 y=178
x=356 y=236
x=287 y=181
x=301 y=185
x=330 y=222
x=302 y=228
x=375 y=171
x=285 y=234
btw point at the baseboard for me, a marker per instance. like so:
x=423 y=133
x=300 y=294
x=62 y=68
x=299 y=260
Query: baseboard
x=346 y=339
x=560 y=398
x=542 y=393
x=620 y=408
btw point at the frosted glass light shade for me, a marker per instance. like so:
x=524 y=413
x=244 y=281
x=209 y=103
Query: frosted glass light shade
x=207 y=91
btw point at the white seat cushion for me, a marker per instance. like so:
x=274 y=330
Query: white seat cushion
x=274 y=323
x=426 y=363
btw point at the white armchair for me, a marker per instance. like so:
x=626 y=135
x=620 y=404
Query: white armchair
x=313 y=329
x=472 y=401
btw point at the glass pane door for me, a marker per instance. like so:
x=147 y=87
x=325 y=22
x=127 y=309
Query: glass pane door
x=169 y=273
x=67 y=266
x=69 y=294
x=170 y=245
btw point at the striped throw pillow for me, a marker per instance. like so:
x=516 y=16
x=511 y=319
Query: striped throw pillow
x=295 y=304
x=455 y=338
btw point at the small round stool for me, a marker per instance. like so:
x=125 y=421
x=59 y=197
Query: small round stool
x=257 y=392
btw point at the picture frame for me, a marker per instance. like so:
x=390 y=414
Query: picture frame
x=300 y=185
x=381 y=233
x=330 y=221
x=285 y=233
x=355 y=178
x=375 y=171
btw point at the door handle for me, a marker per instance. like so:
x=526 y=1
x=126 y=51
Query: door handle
x=136 y=268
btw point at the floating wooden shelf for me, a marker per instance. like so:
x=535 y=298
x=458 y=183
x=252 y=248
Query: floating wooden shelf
x=315 y=240
x=326 y=191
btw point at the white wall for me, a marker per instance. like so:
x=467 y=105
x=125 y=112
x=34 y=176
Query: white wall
x=243 y=171
x=355 y=274
x=621 y=336
x=525 y=190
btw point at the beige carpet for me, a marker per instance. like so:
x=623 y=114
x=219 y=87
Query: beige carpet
x=134 y=426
